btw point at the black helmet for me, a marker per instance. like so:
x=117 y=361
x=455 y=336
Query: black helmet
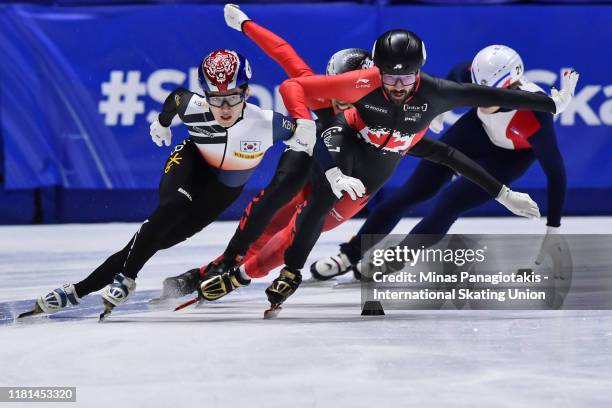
x=349 y=59
x=399 y=52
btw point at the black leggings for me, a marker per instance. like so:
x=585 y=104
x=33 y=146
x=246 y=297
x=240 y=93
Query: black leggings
x=291 y=174
x=190 y=198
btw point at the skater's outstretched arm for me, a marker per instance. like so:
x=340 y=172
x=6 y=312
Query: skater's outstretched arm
x=278 y=49
x=275 y=47
x=439 y=152
x=544 y=144
x=348 y=87
x=455 y=95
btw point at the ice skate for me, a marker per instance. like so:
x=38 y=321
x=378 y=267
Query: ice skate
x=330 y=267
x=218 y=283
x=54 y=301
x=280 y=289
x=350 y=280
x=190 y=281
x=216 y=268
x=181 y=285
x=116 y=293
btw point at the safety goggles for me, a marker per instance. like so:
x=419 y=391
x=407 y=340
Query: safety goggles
x=406 y=79
x=231 y=100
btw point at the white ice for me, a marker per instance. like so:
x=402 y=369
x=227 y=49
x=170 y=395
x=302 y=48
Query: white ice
x=320 y=352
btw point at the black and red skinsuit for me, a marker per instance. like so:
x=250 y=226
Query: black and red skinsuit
x=369 y=140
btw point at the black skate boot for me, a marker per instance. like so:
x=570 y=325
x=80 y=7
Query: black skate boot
x=181 y=285
x=214 y=272
x=219 y=282
x=281 y=288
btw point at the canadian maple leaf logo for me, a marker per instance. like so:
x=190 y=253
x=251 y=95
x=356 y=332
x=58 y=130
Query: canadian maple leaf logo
x=379 y=140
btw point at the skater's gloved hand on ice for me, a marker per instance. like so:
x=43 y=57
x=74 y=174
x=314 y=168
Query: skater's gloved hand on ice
x=234 y=17
x=550 y=242
x=518 y=203
x=340 y=182
x=437 y=124
x=562 y=98
x=160 y=134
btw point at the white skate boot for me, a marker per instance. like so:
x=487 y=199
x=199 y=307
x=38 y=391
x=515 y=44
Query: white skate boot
x=116 y=293
x=58 y=299
x=330 y=267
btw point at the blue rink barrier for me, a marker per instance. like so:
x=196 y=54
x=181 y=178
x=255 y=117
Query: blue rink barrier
x=75 y=110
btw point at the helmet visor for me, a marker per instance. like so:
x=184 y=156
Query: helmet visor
x=406 y=79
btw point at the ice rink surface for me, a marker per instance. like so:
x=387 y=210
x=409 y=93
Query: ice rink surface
x=320 y=352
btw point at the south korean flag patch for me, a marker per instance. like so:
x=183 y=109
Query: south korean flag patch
x=250 y=147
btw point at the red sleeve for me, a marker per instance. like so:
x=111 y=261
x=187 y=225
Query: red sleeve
x=348 y=87
x=278 y=49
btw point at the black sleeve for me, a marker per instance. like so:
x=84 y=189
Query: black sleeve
x=441 y=153
x=322 y=155
x=455 y=95
x=544 y=144
x=325 y=118
x=172 y=104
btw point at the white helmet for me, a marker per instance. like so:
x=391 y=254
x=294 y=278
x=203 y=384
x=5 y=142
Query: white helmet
x=497 y=66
